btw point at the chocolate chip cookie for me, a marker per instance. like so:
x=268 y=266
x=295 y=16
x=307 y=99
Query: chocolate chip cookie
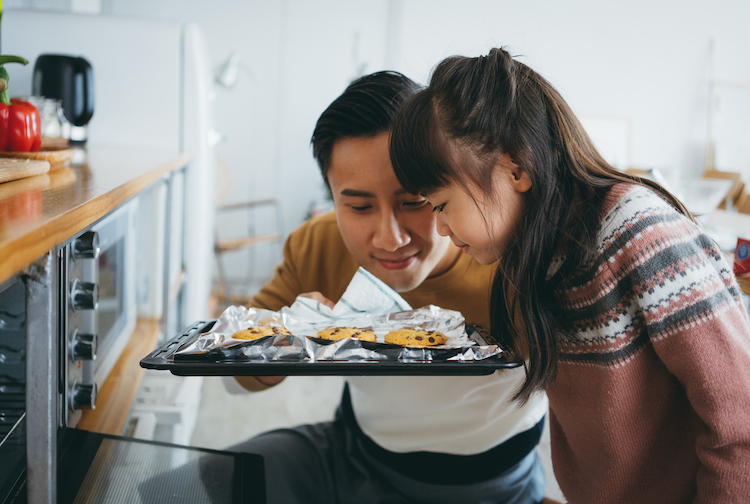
x=337 y=333
x=415 y=337
x=260 y=331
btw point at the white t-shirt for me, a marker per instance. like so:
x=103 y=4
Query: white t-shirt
x=460 y=415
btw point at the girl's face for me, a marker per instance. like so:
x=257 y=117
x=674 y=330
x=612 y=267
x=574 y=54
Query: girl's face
x=481 y=224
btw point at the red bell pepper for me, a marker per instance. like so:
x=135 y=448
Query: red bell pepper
x=20 y=122
x=20 y=127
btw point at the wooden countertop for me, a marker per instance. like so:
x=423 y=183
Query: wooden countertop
x=39 y=213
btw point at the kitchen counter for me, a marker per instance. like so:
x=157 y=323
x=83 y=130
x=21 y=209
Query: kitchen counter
x=38 y=215
x=730 y=226
x=41 y=212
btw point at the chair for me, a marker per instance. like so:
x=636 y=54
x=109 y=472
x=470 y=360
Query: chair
x=223 y=245
x=736 y=195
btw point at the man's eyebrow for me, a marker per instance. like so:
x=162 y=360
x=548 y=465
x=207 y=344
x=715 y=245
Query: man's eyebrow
x=365 y=194
x=357 y=194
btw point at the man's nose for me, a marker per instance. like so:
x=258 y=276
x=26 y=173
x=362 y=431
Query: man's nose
x=389 y=234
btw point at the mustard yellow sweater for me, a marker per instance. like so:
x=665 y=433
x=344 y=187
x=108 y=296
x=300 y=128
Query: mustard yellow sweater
x=470 y=415
x=316 y=259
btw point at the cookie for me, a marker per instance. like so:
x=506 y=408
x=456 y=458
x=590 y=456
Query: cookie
x=337 y=333
x=415 y=337
x=259 y=332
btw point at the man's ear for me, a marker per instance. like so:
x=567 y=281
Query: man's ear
x=519 y=179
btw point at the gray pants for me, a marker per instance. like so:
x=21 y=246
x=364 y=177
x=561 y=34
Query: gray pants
x=327 y=463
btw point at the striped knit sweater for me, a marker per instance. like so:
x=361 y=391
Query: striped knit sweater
x=651 y=403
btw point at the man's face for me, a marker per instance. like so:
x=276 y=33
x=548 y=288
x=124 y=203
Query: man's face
x=390 y=232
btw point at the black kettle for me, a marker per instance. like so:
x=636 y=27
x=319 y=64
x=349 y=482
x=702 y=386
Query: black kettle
x=71 y=80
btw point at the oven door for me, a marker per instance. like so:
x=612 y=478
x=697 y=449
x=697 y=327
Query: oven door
x=96 y=468
x=12 y=388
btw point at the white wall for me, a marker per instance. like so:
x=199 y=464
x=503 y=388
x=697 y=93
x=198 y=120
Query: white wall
x=297 y=57
x=645 y=61
x=638 y=68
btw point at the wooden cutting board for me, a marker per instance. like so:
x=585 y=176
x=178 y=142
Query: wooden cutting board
x=54 y=155
x=14 y=169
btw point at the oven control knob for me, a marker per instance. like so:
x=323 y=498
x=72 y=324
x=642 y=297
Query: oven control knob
x=84 y=296
x=86 y=246
x=83 y=346
x=83 y=396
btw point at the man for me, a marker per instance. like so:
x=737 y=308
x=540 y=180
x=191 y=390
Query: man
x=394 y=439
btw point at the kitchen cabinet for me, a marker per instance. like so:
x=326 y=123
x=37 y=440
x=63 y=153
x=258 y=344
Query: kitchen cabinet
x=38 y=215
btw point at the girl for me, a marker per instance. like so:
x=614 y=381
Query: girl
x=630 y=317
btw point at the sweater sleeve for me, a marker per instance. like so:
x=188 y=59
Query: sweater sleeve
x=315 y=259
x=278 y=292
x=285 y=284
x=691 y=305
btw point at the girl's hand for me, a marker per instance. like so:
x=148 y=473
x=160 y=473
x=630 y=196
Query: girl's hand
x=320 y=298
x=547 y=500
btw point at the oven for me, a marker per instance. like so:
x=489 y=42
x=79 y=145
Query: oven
x=98 y=308
x=49 y=352
x=12 y=388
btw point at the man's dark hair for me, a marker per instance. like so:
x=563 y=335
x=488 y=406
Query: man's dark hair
x=365 y=109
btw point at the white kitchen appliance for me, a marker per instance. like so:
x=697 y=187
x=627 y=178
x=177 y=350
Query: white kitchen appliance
x=98 y=310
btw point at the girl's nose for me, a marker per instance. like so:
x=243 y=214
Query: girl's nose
x=442 y=228
x=389 y=234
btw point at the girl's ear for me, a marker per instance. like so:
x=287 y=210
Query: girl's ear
x=520 y=181
x=516 y=175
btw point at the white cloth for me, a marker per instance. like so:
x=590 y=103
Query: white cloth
x=365 y=295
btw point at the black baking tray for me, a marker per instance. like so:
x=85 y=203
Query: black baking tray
x=163 y=358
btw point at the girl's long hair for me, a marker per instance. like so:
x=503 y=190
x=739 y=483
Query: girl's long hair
x=454 y=131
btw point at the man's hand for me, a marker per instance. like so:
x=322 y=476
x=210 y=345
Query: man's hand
x=258 y=383
x=270 y=380
x=320 y=298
